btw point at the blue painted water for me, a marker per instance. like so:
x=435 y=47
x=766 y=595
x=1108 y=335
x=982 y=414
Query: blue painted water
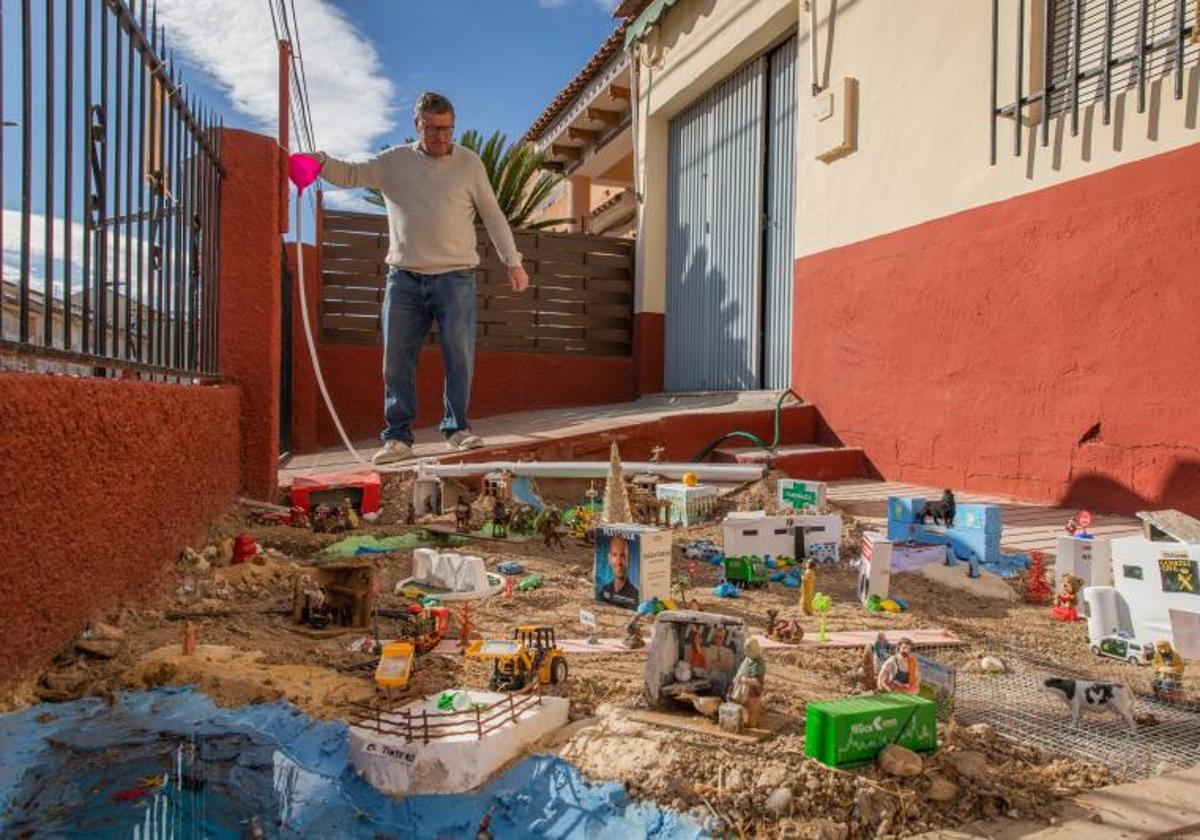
x=86 y=769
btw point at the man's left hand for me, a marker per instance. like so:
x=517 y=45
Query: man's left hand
x=518 y=278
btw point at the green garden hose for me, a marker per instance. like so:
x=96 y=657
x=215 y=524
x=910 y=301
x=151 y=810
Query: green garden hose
x=755 y=439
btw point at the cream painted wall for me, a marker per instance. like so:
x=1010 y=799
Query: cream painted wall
x=701 y=42
x=924 y=72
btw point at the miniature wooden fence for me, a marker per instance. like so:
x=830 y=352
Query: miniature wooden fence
x=580 y=298
x=428 y=727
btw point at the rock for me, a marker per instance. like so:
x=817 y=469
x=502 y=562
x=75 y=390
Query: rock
x=779 y=802
x=67 y=680
x=733 y=780
x=900 y=761
x=982 y=730
x=992 y=665
x=823 y=829
x=100 y=648
x=968 y=763
x=872 y=805
x=773 y=776
x=100 y=630
x=942 y=789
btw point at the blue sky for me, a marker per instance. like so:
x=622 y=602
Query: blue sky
x=500 y=61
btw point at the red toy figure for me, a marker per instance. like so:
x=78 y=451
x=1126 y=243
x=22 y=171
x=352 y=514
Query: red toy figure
x=189 y=638
x=1037 y=591
x=1067 y=599
x=508 y=586
x=243 y=548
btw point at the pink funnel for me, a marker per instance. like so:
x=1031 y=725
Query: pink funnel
x=303 y=170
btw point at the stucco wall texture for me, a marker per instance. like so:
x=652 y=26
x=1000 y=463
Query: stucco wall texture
x=107 y=480
x=250 y=299
x=1045 y=346
x=504 y=382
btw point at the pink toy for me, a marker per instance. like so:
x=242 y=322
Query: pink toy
x=303 y=170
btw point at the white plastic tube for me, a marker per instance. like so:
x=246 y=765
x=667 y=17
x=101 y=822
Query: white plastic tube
x=312 y=347
x=596 y=469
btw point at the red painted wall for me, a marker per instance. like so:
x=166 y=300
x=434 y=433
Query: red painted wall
x=504 y=382
x=250 y=300
x=108 y=481
x=649 y=351
x=1045 y=346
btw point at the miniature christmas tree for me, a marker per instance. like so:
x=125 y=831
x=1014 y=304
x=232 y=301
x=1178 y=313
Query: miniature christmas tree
x=822 y=603
x=616 y=495
x=1037 y=591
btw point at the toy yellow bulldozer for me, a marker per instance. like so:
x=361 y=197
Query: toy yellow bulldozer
x=531 y=654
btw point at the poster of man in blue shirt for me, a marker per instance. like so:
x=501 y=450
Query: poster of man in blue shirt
x=616 y=570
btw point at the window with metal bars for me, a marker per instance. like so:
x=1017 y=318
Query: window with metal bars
x=1092 y=51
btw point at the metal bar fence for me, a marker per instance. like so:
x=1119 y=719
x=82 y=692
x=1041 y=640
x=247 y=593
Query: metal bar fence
x=1108 y=47
x=130 y=286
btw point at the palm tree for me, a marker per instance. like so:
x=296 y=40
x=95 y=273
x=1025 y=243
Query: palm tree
x=515 y=172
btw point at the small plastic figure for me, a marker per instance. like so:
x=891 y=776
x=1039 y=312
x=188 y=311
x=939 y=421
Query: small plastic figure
x=633 y=633
x=1067 y=599
x=349 y=514
x=748 y=683
x=499 y=519
x=900 y=672
x=410 y=515
x=462 y=515
x=551 y=528
x=808 y=587
x=508 y=586
x=1168 y=672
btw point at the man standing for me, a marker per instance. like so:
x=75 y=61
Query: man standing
x=432 y=190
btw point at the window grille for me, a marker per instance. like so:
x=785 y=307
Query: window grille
x=1090 y=52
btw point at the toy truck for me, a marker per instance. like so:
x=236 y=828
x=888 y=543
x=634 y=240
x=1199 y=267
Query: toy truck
x=532 y=653
x=746 y=572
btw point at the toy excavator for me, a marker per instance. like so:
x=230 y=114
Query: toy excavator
x=531 y=654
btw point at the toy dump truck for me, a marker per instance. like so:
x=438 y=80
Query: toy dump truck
x=692 y=655
x=532 y=653
x=395 y=666
x=746 y=572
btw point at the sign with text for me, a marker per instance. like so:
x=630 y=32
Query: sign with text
x=1178 y=574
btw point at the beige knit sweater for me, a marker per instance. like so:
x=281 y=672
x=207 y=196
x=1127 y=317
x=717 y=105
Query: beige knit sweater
x=431 y=204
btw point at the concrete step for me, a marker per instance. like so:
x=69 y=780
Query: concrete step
x=800 y=460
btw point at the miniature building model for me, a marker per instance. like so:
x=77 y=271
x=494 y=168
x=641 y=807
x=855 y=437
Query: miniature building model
x=362 y=489
x=874 y=566
x=1090 y=560
x=495 y=484
x=692 y=653
x=336 y=594
x=975 y=534
x=1155 y=595
x=427 y=495
x=817 y=536
x=688 y=505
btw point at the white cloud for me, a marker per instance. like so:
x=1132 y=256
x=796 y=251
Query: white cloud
x=351 y=101
x=552 y=4
x=349 y=200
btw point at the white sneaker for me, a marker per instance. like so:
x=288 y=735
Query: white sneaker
x=463 y=440
x=393 y=450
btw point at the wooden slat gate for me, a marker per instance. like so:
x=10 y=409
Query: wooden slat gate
x=580 y=300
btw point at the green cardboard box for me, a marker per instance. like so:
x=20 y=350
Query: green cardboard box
x=854 y=730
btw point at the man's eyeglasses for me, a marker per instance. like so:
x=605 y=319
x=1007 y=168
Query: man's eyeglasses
x=443 y=130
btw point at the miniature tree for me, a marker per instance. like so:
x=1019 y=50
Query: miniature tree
x=822 y=604
x=616 y=495
x=1037 y=591
x=681 y=584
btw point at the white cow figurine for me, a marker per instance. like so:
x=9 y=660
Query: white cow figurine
x=1089 y=696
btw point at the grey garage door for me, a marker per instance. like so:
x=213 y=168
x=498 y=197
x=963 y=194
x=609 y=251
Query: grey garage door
x=729 y=248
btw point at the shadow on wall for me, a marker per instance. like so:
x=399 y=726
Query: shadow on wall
x=1181 y=491
x=709 y=354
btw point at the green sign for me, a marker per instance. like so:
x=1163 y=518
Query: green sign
x=799 y=496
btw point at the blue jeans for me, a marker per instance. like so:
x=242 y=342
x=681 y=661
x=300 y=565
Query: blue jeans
x=411 y=303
